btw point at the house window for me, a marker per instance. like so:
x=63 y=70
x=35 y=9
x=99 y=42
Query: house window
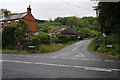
x=16 y=21
x=2 y=23
x=9 y=22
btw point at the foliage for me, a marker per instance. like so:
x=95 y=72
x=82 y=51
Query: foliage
x=42 y=48
x=87 y=33
x=8 y=35
x=78 y=23
x=45 y=38
x=13 y=33
x=41 y=21
x=23 y=30
x=100 y=44
x=3 y=10
x=48 y=26
x=109 y=17
x=75 y=22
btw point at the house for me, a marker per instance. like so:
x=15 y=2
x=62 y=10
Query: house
x=65 y=31
x=25 y=16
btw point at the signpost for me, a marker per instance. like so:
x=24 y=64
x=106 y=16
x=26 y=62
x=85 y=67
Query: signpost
x=19 y=44
x=50 y=38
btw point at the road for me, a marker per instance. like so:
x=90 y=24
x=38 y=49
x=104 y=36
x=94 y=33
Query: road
x=73 y=61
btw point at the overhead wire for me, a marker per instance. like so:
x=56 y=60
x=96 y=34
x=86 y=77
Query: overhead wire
x=76 y=6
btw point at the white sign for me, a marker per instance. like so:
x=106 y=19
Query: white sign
x=109 y=46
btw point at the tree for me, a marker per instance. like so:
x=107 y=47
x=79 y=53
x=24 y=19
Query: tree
x=78 y=23
x=22 y=30
x=87 y=33
x=109 y=15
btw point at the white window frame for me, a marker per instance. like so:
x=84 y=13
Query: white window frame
x=2 y=23
x=9 y=22
x=16 y=21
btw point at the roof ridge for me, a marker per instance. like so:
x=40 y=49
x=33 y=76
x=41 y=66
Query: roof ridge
x=14 y=16
x=18 y=13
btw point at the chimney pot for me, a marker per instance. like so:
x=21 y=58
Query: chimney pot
x=5 y=13
x=29 y=10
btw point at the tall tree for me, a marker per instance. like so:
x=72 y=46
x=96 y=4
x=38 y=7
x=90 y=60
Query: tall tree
x=109 y=15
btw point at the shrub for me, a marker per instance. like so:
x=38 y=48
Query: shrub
x=117 y=47
x=103 y=49
x=87 y=33
x=99 y=43
x=92 y=45
x=67 y=38
x=113 y=53
x=63 y=38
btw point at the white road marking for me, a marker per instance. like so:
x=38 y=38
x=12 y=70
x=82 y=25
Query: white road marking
x=85 y=59
x=116 y=69
x=82 y=67
x=79 y=55
x=53 y=57
x=98 y=69
x=74 y=58
x=96 y=59
x=63 y=65
x=0 y=60
x=109 y=60
x=60 y=57
x=74 y=49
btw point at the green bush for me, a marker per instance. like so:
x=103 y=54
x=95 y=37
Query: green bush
x=63 y=38
x=113 y=53
x=99 y=44
x=117 y=47
x=87 y=33
x=67 y=38
x=93 y=46
x=103 y=49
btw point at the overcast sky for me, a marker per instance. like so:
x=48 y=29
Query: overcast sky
x=50 y=9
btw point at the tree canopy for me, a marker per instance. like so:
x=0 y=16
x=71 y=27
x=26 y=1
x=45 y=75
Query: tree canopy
x=109 y=15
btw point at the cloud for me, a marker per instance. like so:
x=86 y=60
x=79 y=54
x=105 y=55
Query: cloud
x=47 y=10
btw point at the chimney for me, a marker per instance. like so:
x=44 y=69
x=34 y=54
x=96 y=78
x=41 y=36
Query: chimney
x=29 y=10
x=5 y=13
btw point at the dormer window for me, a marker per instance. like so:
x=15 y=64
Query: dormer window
x=16 y=21
x=9 y=22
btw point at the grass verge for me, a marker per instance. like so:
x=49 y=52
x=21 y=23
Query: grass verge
x=43 y=48
x=113 y=52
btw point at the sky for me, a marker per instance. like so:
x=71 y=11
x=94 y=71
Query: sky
x=50 y=9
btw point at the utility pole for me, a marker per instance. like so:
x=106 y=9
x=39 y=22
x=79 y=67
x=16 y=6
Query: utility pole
x=96 y=9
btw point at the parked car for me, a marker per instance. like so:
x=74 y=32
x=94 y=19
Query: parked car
x=80 y=38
